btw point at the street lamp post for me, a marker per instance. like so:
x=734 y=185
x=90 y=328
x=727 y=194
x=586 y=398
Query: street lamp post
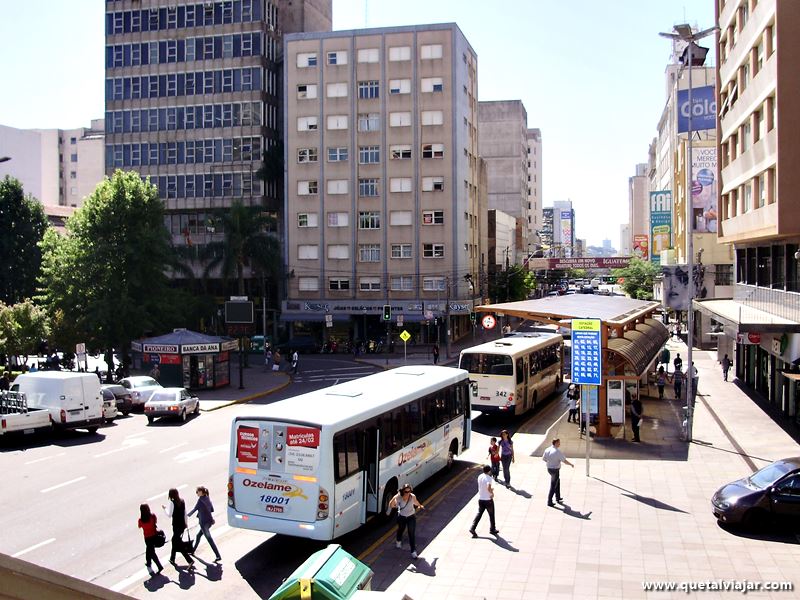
x=684 y=32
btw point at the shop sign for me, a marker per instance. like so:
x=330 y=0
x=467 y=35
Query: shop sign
x=199 y=348
x=160 y=348
x=230 y=345
x=749 y=339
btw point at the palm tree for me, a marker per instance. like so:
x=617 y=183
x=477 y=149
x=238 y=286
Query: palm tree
x=246 y=241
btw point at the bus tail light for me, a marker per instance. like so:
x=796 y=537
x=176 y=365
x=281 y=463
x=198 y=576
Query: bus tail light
x=322 y=505
x=231 y=500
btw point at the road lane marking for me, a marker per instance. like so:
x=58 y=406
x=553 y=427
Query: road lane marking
x=60 y=485
x=34 y=547
x=200 y=453
x=172 y=447
x=30 y=462
x=126 y=445
x=338 y=369
x=161 y=494
x=128 y=581
x=135 y=435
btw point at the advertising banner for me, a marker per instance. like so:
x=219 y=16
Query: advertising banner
x=640 y=247
x=704 y=189
x=247 y=444
x=660 y=224
x=676 y=287
x=566 y=227
x=302 y=450
x=704 y=109
x=587 y=352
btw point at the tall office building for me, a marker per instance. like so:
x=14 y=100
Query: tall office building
x=759 y=100
x=559 y=229
x=382 y=196
x=638 y=232
x=534 y=186
x=503 y=135
x=193 y=100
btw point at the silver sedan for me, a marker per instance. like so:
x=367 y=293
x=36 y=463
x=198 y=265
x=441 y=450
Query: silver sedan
x=171 y=402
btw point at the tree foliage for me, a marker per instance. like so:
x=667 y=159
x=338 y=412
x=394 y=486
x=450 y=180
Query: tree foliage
x=23 y=225
x=23 y=326
x=107 y=275
x=638 y=278
x=512 y=284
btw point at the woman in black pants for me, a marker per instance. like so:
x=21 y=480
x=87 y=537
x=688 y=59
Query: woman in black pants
x=147 y=523
x=177 y=510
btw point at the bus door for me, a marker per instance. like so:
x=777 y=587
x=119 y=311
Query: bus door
x=528 y=395
x=371 y=502
x=463 y=403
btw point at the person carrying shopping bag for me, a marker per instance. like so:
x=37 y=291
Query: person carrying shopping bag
x=204 y=508
x=177 y=510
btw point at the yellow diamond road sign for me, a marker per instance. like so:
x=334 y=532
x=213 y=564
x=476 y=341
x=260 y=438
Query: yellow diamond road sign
x=405 y=336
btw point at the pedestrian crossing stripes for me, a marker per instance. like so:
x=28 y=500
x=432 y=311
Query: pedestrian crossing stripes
x=332 y=375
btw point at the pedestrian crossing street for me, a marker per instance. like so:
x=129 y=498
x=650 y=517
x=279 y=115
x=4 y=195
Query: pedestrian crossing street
x=333 y=375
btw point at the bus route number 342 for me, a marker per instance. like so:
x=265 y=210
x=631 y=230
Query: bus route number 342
x=501 y=393
x=274 y=503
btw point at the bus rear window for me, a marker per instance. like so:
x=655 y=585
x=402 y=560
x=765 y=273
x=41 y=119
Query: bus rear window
x=487 y=364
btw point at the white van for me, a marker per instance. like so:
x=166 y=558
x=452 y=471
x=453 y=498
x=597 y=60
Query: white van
x=73 y=399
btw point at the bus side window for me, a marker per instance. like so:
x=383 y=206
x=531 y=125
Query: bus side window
x=520 y=371
x=354 y=458
x=340 y=456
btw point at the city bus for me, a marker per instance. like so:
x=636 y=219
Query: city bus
x=515 y=373
x=320 y=464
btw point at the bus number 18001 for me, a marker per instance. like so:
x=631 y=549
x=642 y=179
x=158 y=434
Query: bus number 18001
x=275 y=500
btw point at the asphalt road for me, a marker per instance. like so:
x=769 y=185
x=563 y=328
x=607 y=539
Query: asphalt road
x=71 y=502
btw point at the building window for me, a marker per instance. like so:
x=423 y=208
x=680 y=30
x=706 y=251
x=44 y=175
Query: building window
x=402 y=283
x=73 y=157
x=368 y=187
x=369 y=284
x=430 y=52
x=337 y=90
x=307 y=220
x=369 y=253
x=338 y=285
x=74 y=175
x=337 y=186
x=399 y=53
x=369 y=155
x=433 y=151
x=73 y=141
x=337 y=58
x=337 y=154
x=401 y=250
x=432 y=117
x=307 y=252
x=338 y=219
x=307 y=188
x=308 y=284
x=338 y=251
x=433 y=217
x=433 y=284
x=306 y=123
x=432 y=84
x=369 y=220
x=400 y=152
x=400 y=184
x=433 y=250
x=337 y=122
x=433 y=184
x=748 y=196
x=306 y=59
x=762 y=190
x=723 y=275
x=307 y=155
x=369 y=122
x=400 y=217
x=368 y=89
x=399 y=86
x=369 y=55
x=400 y=119
x=306 y=91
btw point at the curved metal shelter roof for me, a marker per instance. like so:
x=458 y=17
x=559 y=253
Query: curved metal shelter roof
x=640 y=345
x=612 y=310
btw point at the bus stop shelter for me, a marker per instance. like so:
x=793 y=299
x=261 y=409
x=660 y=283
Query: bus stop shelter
x=630 y=337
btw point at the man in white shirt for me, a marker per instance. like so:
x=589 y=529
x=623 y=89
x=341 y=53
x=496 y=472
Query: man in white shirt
x=554 y=457
x=485 y=501
x=295 y=361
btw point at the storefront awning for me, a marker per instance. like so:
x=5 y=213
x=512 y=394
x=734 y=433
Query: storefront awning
x=639 y=346
x=741 y=318
x=791 y=376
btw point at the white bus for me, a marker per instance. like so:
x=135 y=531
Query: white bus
x=319 y=464
x=514 y=373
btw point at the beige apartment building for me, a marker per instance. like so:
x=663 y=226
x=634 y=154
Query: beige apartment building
x=382 y=203
x=759 y=103
x=534 y=186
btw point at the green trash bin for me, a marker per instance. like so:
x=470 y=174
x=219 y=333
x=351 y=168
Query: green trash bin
x=330 y=574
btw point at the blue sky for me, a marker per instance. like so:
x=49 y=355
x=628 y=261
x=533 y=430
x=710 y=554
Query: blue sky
x=590 y=73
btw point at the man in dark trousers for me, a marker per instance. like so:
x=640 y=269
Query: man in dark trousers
x=485 y=501
x=636 y=416
x=554 y=457
x=726 y=366
x=678 y=362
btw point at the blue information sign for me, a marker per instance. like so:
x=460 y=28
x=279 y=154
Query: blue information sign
x=586 y=352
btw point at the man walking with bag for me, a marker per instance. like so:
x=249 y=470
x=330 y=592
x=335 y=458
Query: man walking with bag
x=554 y=457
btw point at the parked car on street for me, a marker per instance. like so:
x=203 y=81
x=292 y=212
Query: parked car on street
x=122 y=397
x=109 y=405
x=771 y=493
x=141 y=388
x=171 y=402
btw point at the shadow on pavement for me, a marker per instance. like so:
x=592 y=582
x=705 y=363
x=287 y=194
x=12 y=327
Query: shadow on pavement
x=743 y=454
x=423 y=567
x=504 y=544
x=568 y=510
x=643 y=499
x=62 y=439
x=777 y=532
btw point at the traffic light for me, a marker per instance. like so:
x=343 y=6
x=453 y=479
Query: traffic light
x=387 y=312
x=472 y=317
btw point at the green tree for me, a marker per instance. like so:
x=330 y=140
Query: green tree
x=23 y=326
x=512 y=284
x=108 y=273
x=246 y=242
x=638 y=278
x=24 y=224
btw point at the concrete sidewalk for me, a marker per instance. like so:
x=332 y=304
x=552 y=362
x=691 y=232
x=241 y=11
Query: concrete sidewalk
x=258 y=382
x=643 y=514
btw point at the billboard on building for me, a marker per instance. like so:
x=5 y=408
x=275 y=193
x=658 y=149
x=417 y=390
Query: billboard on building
x=640 y=247
x=660 y=223
x=704 y=109
x=704 y=189
x=566 y=228
x=676 y=285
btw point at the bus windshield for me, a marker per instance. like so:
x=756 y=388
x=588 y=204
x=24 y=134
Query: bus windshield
x=487 y=364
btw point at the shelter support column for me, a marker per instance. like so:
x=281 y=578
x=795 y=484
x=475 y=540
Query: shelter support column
x=603 y=429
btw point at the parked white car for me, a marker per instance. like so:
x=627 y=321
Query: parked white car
x=141 y=387
x=110 y=411
x=171 y=402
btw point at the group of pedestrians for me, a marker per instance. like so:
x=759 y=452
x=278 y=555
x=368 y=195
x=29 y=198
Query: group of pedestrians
x=176 y=511
x=273 y=360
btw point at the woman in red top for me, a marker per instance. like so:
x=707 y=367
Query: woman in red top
x=147 y=523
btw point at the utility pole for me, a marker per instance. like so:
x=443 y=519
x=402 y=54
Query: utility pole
x=447 y=318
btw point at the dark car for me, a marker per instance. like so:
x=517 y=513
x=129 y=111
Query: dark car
x=122 y=396
x=771 y=493
x=304 y=344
